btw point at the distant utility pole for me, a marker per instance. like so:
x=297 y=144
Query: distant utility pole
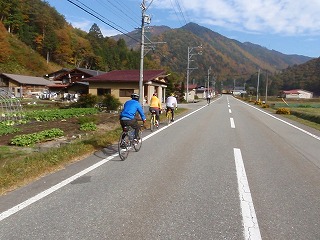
x=266 y=87
x=258 y=85
x=209 y=71
x=190 y=54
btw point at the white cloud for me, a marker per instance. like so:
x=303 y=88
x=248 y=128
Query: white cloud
x=83 y=24
x=285 y=17
x=109 y=32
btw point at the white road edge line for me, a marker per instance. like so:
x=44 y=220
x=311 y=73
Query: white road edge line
x=178 y=120
x=52 y=189
x=232 y=123
x=300 y=129
x=249 y=218
x=56 y=187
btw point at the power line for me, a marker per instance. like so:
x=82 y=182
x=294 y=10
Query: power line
x=102 y=19
x=180 y=11
x=121 y=11
x=174 y=9
x=100 y=15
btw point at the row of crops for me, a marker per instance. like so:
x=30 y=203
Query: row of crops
x=18 y=118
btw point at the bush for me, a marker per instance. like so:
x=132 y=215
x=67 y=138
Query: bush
x=283 y=111
x=111 y=102
x=86 y=101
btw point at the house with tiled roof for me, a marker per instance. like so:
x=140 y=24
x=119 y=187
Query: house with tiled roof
x=71 y=80
x=23 y=86
x=122 y=83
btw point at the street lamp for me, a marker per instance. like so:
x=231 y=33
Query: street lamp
x=190 y=54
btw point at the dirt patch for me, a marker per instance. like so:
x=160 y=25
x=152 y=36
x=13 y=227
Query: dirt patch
x=70 y=127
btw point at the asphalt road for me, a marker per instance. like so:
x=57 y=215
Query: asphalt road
x=223 y=171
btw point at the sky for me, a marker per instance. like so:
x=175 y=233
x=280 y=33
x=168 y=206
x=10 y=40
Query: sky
x=287 y=26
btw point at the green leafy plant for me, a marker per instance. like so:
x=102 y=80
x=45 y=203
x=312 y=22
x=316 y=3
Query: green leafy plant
x=54 y=114
x=30 y=139
x=4 y=130
x=90 y=126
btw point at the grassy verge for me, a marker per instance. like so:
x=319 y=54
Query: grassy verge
x=304 y=111
x=298 y=119
x=25 y=169
x=19 y=166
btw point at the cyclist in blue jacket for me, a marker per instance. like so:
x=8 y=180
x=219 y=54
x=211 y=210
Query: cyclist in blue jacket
x=127 y=115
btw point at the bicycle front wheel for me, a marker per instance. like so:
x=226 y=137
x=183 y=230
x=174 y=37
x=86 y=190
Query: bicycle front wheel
x=138 y=143
x=123 y=146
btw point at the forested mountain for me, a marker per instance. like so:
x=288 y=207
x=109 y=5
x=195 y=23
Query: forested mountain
x=35 y=39
x=228 y=58
x=304 y=76
x=45 y=32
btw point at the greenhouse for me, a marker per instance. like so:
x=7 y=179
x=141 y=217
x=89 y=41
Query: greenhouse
x=10 y=107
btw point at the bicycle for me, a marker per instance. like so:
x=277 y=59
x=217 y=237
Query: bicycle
x=127 y=142
x=153 y=121
x=169 y=115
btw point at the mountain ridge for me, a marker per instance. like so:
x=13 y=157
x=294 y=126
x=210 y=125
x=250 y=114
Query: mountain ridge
x=243 y=58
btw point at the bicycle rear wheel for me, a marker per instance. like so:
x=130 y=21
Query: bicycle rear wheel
x=138 y=143
x=123 y=146
x=169 y=116
x=152 y=122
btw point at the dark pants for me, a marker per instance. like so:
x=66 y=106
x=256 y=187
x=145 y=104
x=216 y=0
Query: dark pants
x=132 y=123
x=208 y=100
x=157 y=113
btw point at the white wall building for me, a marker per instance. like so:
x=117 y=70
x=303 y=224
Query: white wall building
x=297 y=93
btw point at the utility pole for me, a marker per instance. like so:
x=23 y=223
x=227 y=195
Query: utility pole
x=190 y=54
x=209 y=71
x=258 y=85
x=143 y=8
x=266 y=87
x=145 y=19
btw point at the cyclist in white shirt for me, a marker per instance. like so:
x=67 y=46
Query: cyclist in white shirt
x=171 y=104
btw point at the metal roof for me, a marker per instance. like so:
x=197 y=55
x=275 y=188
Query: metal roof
x=28 y=79
x=128 y=76
x=91 y=72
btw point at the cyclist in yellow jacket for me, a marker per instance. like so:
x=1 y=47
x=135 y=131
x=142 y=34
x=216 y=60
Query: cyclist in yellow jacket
x=155 y=105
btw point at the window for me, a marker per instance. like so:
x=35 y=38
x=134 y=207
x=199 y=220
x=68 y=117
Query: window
x=103 y=91
x=126 y=92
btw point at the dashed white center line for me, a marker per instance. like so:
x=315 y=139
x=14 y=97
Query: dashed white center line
x=232 y=123
x=249 y=218
x=229 y=110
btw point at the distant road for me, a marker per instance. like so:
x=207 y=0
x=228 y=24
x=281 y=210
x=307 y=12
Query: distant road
x=223 y=171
